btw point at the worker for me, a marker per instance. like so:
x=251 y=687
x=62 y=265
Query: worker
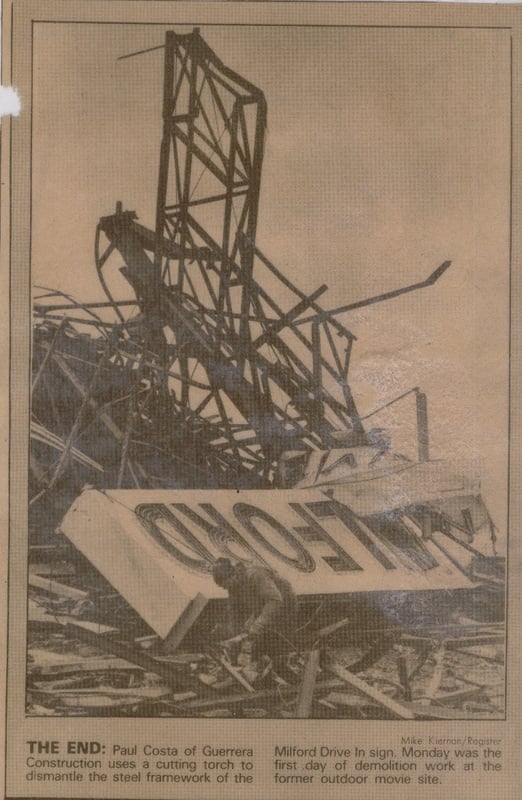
x=262 y=608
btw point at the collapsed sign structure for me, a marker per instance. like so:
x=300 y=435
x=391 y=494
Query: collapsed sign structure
x=157 y=547
x=212 y=414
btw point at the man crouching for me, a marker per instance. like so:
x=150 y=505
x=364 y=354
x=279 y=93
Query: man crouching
x=262 y=610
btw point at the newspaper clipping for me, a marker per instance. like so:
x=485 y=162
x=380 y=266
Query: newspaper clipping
x=259 y=267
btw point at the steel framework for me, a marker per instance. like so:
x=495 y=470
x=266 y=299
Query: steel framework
x=218 y=363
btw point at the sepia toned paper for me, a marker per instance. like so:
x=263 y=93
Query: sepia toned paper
x=260 y=270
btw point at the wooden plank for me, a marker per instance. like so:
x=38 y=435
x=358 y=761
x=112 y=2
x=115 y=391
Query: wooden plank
x=439 y=712
x=347 y=699
x=398 y=710
x=180 y=697
x=38 y=615
x=151 y=692
x=86 y=665
x=263 y=694
x=102 y=698
x=56 y=569
x=436 y=676
x=99 y=631
x=48 y=549
x=470 y=641
x=235 y=673
x=491 y=659
x=74 y=681
x=455 y=629
x=53 y=587
x=169 y=672
x=147 y=641
x=306 y=692
x=181 y=658
x=335 y=626
x=402 y=666
x=500 y=582
x=459 y=694
x=458 y=641
x=373 y=654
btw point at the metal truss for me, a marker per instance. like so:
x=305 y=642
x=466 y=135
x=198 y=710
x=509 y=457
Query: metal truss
x=218 y=363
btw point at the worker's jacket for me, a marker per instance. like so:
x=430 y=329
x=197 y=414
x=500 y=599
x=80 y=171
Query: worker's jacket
x=261 y=601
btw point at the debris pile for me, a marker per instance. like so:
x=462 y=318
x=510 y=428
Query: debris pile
x=79 y=666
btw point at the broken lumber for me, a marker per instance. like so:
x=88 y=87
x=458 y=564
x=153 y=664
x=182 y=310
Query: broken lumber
x=333 y=628
x=53 y=587
x=73 y=682
x=452 y=630
x=179 y=697
x=50 y=570
x=347 y=700
x=459 y=695
x=491 y=659
x=491 y=579
x=281 y=692
x=235 y=673
x=306 y=691
x=402 y=666
x=87 y=665
x=436 y=676
x=37 y=615
x=101 y=698
x=397 y=710
x=475 y=641
x=456 y=641
x=373 y=654
x=440 y=712
x=106 y=640
x=149 y=692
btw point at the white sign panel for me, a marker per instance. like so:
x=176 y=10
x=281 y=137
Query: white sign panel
x=157 y=547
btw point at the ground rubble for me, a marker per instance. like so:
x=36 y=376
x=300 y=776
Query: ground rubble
x=78 y=665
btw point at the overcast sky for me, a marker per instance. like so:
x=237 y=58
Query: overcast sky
x=387 y=153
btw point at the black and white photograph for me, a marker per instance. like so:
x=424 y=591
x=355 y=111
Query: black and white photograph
x=260 y=353
x=245 y=490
